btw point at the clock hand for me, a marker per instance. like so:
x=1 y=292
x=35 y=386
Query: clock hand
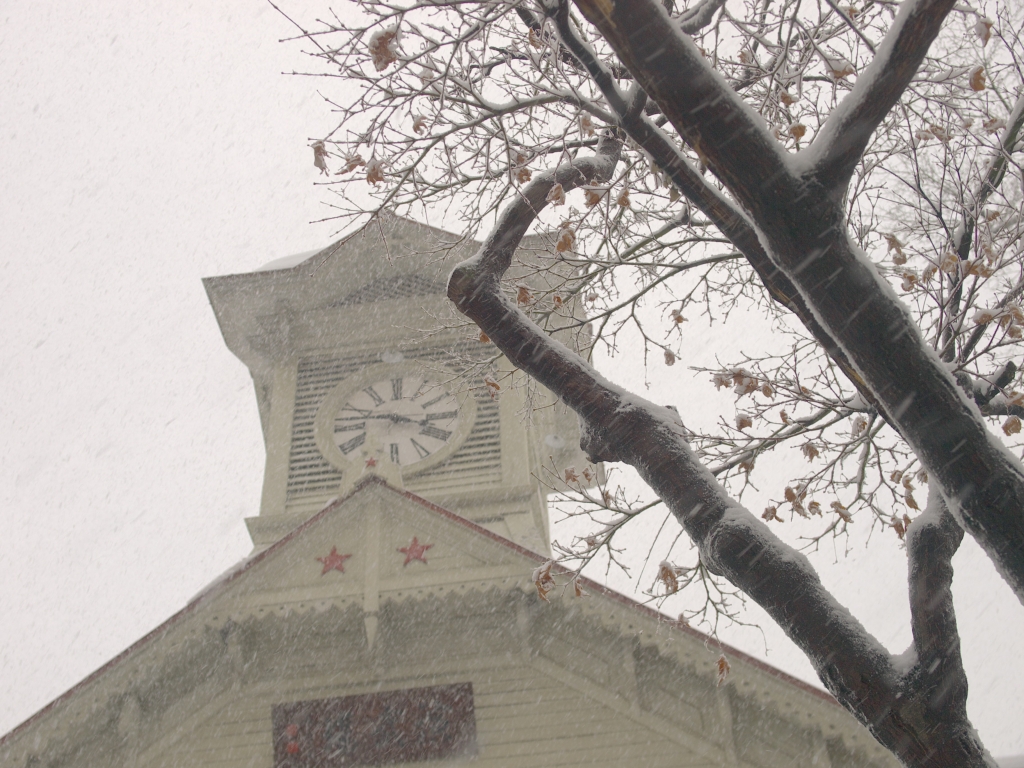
x=395 y=417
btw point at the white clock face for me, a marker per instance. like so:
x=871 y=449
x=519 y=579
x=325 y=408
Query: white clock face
x=410 y=415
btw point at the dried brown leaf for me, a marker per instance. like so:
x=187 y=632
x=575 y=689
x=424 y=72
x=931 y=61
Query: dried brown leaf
x=566 y=239
x=983 y=29
x=556 y=195
x=977 y=79
x=722 y=665
x=383 y=47
x=668 y=576
x=374 y=171
x=320 y=156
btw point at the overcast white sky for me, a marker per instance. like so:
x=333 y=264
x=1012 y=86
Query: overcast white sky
x=142 y=147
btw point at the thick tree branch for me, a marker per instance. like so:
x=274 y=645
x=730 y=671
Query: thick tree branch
x=841 y=142
x=982 y=482
x=618 y=426
x=935 y=699
x=932 y=540
x=1002 y=409
x=731 y=137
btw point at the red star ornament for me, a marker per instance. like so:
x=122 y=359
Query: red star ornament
x=371 y=462
x=333 y=562
x=415 y=551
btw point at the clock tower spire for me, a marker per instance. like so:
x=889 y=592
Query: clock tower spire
x=360 y=367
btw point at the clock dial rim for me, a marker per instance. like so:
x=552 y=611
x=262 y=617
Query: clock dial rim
x=324 y=421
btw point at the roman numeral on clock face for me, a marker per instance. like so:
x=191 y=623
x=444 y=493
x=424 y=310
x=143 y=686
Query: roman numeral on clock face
x=431 y=431
x=347 y=425
x=350 y=445
x=446 y=416
x=396 y=389
x=394 y=453
x=377 y=399
x=423 y=452
x=436 y=400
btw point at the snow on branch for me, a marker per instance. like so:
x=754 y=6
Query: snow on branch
x=725 y=131
x=841 y=142
x=699 y=16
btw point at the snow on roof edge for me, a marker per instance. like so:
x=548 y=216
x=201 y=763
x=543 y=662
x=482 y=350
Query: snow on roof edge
x=287 y=262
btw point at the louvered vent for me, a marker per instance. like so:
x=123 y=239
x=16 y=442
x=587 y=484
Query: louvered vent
x=311 y=479
x=388 y=288
x=477 y=463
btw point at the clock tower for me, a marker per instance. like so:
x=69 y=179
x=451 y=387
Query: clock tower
x=416 y=618
x=360 y=366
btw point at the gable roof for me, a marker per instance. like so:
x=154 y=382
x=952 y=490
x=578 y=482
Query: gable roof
x=667 y=627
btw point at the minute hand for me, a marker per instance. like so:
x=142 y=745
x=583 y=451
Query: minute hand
x=395 y=417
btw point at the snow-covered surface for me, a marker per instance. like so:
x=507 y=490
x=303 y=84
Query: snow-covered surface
x=286 y=262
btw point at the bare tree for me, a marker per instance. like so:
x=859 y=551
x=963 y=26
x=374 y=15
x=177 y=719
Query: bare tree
x=828 y=131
